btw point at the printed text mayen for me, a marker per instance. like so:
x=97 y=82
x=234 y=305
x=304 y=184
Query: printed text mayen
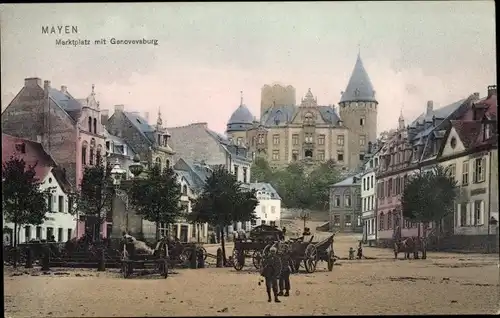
x=59 y=29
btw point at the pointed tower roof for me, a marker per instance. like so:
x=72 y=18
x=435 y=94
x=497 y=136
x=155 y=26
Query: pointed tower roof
x=359 y=87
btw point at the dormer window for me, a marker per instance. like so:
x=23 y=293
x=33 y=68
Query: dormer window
x=487 y=131
x=108 y=145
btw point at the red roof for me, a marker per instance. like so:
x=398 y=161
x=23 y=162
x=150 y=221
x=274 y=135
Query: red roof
x=33 y=153
x=470 y=133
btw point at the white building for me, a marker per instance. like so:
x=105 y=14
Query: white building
x=60 y=223
x=269 y=209
x=368 y=199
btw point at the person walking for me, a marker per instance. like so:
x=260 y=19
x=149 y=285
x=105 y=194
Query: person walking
x=271 y=269
x=284 y=279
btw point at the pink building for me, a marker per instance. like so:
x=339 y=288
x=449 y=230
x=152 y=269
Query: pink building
x=407 y=150
x=69 y=129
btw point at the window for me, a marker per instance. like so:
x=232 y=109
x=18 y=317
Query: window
x=340 y=157
x=49 y=202
x=405 y=180
x=60 y=233
x=362 y=140
x=479 y=167
x=70 y=234
x=321 y=155
x=348 y=220
x=478 y=212
x=389 y=187
x=276 y=139
x=362 y=121
x=462 y=214
x=321 y=139
x=95 y=126
x=261 y=139
x=451 y=169
x=295 y=140
x=347 y=200
x=371 y=182
x=272 y=223
x=184 y=190
x=295 y=155
x=254 y=140
x=27 y=233
x=245 y=172
x=61 y=203
x=276 y=155
x=381 y=222
x=389 y=220
x=239 y=141
x=336 y=220
x=364 y=183
x=84 y=154
x=253 y=222
x=70 y=205
x=38 y=232
x=363 y=207
x=308 y=153
x=361 y=156
x=91 y=156
x=273 y=209
x=50 y=233
x=308 y=138
x=21 y=147
x=263 y=222
x=340 y=140
x=397 y=185
x=158 y=162
x=90 y=124
x=465 y=172
x=236 y=171
x=337 y=201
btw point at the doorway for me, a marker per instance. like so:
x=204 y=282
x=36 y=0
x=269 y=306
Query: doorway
x=184 y=233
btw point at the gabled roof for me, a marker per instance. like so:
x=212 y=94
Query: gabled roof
x=349 y=181
x=141 y=125
x=267 y=187
x=360 y=87
x=33 y=154
x=282 y=115
x=467 y=130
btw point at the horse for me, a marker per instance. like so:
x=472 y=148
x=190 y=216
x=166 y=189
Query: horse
x=405 y=246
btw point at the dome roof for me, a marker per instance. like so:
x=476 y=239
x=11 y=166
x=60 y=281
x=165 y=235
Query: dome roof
x=241 y=115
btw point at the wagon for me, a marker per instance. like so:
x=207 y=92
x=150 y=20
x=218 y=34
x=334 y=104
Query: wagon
x=132 y=259
x=321 y=251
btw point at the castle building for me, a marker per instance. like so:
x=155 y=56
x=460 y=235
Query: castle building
x=309 y=132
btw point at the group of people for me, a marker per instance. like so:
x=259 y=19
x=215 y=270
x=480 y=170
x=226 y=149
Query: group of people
x=276 y=268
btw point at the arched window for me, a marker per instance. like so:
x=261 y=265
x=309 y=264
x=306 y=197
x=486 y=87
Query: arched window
x=90 y=124
x=184 y=190
x=168 y=164
x=158 y=162
x=84 y=153
x=389 y=220
x=91 y=156
x=98 y=154
x=95 y=126
x=381 y=222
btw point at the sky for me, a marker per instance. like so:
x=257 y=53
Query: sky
x=208 y=52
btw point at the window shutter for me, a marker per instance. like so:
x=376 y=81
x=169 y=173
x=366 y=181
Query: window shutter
x=481 y=213
x=468 y=219
x=483 y=168
x=474 y=165
x=458 y=216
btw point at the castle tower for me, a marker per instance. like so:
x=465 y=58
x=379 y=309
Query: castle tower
x=276 y=95
x=358 y=111
x=241 y=120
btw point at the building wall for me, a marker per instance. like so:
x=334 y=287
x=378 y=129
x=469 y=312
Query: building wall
x=352 y=113
x=368 y=204
x=268 y=210
x=57 y=220
x=276 y=95
x=342 y=213
x=28 y=116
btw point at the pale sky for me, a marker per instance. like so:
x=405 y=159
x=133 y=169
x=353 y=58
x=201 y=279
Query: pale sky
x=209 y=52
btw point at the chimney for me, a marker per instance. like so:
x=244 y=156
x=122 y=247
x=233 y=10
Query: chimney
x=104 y=116
x=146 y=116
x=492 y=90
x=46 y=84
x=33 y=82
x=135 y=113
x=430 y=107
x=64 y=89
x=119 y=108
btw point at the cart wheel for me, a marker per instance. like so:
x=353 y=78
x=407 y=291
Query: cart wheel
x=185 y=255
x=257 y=259
x=310 y=258
x=331 y=260
x=238 y=260
x=125 y=270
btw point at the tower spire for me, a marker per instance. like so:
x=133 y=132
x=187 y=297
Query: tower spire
x=241 y=98
x=159 y=122
x=359 y=49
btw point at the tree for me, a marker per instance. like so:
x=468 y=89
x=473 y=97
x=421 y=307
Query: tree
x=222 y=202
x=157 y=197
x=428 y=197
x=320 y=180
x=261 y=171
x=96 y=192
x=23 y=202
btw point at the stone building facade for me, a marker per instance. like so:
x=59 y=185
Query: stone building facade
x=151 y=143
x=345 y=205
x=309 y=132
x=69 y=129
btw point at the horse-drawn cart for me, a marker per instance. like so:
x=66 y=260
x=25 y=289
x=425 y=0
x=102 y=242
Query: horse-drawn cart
x=248 y=248
x=156 y=259
x=310 y=253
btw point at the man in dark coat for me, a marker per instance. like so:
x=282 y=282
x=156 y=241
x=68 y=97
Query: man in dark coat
x=284 y=280
x=271 y=269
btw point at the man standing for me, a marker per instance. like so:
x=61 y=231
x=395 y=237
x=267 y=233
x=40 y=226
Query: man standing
x=271 y=269
x=284 y=280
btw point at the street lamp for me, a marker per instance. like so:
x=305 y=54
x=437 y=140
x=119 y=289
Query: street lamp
x=117 y=173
